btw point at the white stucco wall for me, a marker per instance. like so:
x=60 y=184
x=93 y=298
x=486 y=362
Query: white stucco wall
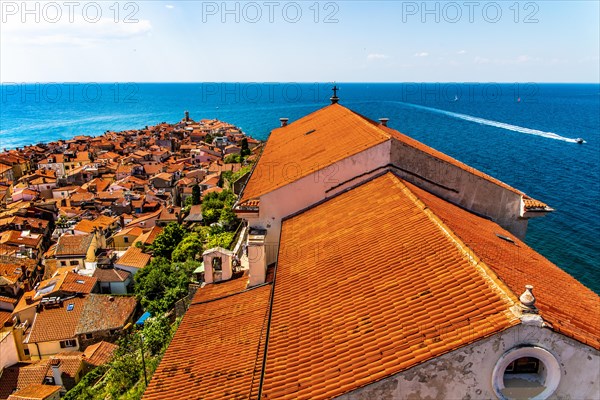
x=47 y=349
x=226 y=267
x=9 y=354
x=312 y=189
x=466 y=373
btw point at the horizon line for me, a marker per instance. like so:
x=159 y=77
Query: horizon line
x=301 y=82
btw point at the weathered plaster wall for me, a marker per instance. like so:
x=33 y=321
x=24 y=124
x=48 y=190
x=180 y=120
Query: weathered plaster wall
x=312 y=189
x=466 y=373
x=8 y=350
x=460 y=187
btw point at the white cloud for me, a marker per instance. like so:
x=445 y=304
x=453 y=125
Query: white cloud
x=376 y=56
x=170 y=6
x=461 y=52
x=523 y=59
x=422 y=54
x=76 y=33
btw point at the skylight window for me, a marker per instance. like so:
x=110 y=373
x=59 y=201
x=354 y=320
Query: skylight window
x=80 y=281
x=70 y=307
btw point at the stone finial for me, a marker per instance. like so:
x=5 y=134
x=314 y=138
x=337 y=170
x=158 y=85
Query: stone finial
x=527 y=299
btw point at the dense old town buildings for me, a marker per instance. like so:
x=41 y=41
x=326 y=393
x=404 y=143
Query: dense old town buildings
x=76 y=220
x=373 y=266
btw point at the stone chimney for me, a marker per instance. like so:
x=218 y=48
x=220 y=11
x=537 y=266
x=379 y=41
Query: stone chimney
x=284 y=121
x=384 y=121
x=187 y=116
x=257 y=256
x=55 y=365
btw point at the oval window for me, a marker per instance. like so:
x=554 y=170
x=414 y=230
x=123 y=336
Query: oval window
x=526 y=373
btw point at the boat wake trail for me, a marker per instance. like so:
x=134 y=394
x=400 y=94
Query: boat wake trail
x=497 y=124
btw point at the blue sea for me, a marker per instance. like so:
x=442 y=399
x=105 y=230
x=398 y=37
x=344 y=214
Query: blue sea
x=523 y=134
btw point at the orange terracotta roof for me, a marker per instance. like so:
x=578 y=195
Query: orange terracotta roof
x=8 y=300
x=368 y=284
x=70 y=363
x=225 y=360
x=534 y=204
x=134 y=257
x=315 y=141
x=111 y=275
x=21 y=375
x=149 y=236
x=58 y=323
x=564 y=302
x=73 y=245
x=104 y=312
x=76 y=283
x=99 y=353
x=214 y=189
x=325 y=137
x=213 y=291
x=133 y=231
x=16 y=238
x=86 y=225
x=4 y=317
x=34 y=392
x=145 y=217
x=11 y=271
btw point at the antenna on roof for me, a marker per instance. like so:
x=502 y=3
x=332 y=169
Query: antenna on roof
x=334 y=99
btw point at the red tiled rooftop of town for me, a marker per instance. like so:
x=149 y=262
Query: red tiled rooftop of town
x=99 y=353
x=564 y=302
x=325 y=137
x=225 y=358
x=34 y=392
x=374 y=305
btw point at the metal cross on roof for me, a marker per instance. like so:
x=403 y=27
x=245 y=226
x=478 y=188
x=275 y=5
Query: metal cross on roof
x=335 y=98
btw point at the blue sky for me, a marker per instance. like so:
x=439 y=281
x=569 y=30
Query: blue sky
x=345 y=41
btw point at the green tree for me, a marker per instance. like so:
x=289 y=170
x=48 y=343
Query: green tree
x=157 y=334
x=189 y=247
x=232 y=158
x=245 y=149
x=162 y=282
x=210 y=215
x=217 y=207
x=125 y=369
x=195 y=194
x=222 y=239
x=167 y=240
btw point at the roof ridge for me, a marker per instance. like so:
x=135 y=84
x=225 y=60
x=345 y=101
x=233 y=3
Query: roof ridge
x=488 y=274
x=231 y=294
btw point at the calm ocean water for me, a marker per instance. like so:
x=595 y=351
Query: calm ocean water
x=519 y=133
